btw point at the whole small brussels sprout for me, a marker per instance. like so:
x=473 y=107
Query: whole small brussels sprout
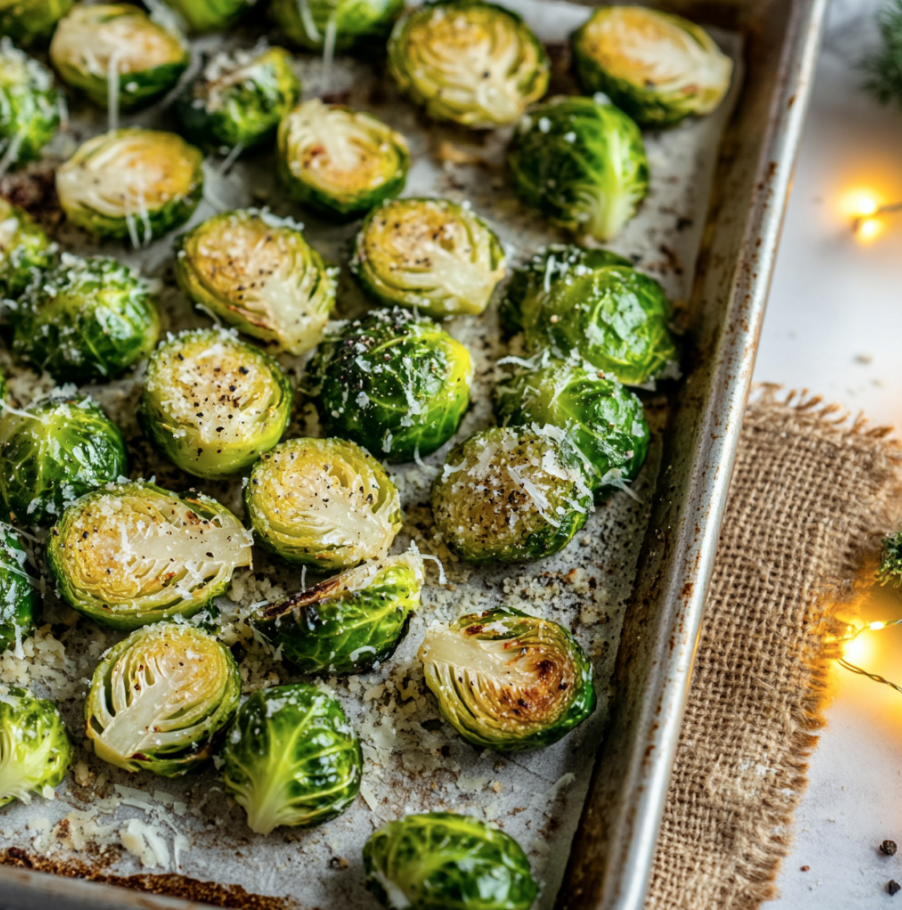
x=31 y=22
x=348 y=623
x=212 y=403
x=258 y=273
x=35 y=751
x=87 y=319
x=393 y=382
x=471 y=62
x=20 y=605
x=160 y=699
x=508 y=681
x=117 y=55
x=238 y=99
x=657 y=67
x=335 y=24
x=25 y=250
x=445 y=861
x=322 y=502
x=54 y=451
x=210 y=15
x=131 y=183
x=581 y=163
x=133 y=553
x=430 y=254
x=509 y=494
x=338 y=161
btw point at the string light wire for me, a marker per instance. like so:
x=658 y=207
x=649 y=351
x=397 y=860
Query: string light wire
x=871 y=627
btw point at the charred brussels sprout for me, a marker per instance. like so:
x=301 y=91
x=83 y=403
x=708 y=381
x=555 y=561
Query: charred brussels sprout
x=132 y=553
x=35 y=751
x=581 y=163
x=291 y=758
x=31 y=22
x=322 y=502
x=444 y=861
x=508 y=681
x=210 y=15
x=394 y=383
x=335 y=24
x=430 y=254
x=339 y=161
x=258 y=273
x=20 y=605
x=473 y=63
x=53 y=452
x=510 y=494
x=160 y=698
x=657 y=67
x=212 y=403
x=25 y=250
x=117 y=55
x=86 y=319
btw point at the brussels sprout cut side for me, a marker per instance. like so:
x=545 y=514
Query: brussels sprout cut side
x=258 y=273
x=429 y=254
x=31 y=22
x=291 y=758
x=657 y=67
x=474 y=63
x=212 y=403
x=339 y=161
x=131 y=554
x=210 y=15
x=330 y=25
x=25 y=250
x=19 y=602
x=444 y=861
x=159 y=699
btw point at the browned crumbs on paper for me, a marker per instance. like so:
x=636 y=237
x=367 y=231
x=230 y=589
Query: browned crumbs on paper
x=893 y=886
x=888 y=848
x=34 y=189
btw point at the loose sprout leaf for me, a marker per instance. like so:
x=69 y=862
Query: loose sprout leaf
x=312 y=23
x=20 y=605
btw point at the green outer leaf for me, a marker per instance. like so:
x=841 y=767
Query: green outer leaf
x=445 y=861
x=210 y=15
x=31 y=22
x=889 y=571
x=357 y=22
x=20 y=605
x=24 y=250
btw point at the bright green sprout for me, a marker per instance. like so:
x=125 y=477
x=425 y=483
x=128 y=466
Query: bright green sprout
x=25 y=250
x=210 y=15
x=20 y=605
x=470 y=62
x=160 y=700
x=428 y=254
x=445 y=861
x=31 y=22
x=133 y=553
x=330 y=25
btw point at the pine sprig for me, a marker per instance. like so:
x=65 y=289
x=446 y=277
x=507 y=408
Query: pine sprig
x=884 y=67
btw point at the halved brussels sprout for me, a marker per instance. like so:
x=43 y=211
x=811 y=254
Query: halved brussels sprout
x=657 y=67
x=54 y=451
x=339 y=161
x=330 y=25
x=582 y=163
x=117 y=55
x=133 y=553
x=445 y=861
x=160 y=699
x=212 y=403
x=25 y=250
x=291 y=758
x=20 y=605
x=350 y=622
x=238 y=99
x=210 y=15
x=31 y=22
x=474 y=63
x=508 y=681
x=322 y=502
x=86 y=319
x=131 y=183
x=393 y=382
x=430 y=254
x=258 y=273
x=35 y=751
x=509 y=494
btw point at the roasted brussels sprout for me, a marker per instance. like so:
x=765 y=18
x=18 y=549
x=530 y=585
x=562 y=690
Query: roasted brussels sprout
x=20 y=605
x=508 y=681
x=510 y=494
x=86 y=319
x=25 y=250
x=467 y=61
x=258 y=273
x=582 y=163
x=444 y=861
x=160 y=698
x=133 y=553
x=31 y=22
x=238 y=99
x=322 y=502
x=430 y=254
x=393 y=382
x=349 y=622
x=54 y=451
x=291 y=758
x=212 y=403
x=34 y=747
x=210 y=15
x=330 y=25
x=657 y=67
x=117 y=55
x=339 y=161
x=131 y=183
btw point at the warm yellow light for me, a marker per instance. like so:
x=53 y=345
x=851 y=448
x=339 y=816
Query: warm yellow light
x=869 y=229
x=859 y=650
x=877 y=626
x=860 y=203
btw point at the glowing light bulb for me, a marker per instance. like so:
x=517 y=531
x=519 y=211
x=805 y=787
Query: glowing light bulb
x=877 y=626
x=869 y=229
